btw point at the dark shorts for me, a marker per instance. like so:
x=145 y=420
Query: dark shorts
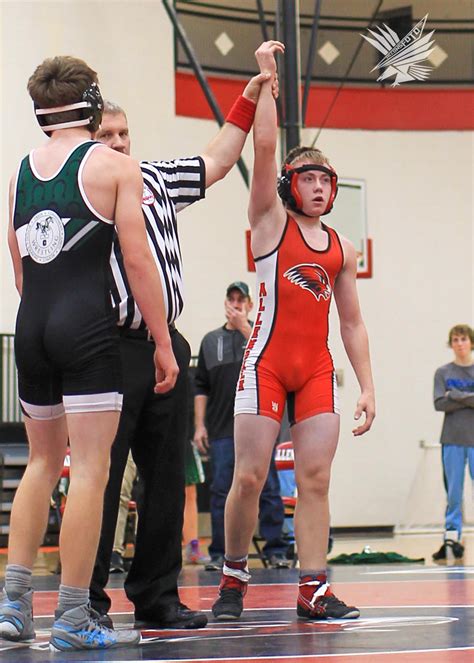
x=67 y=365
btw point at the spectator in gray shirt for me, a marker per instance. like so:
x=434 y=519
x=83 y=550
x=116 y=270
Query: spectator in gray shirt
x=454 y=395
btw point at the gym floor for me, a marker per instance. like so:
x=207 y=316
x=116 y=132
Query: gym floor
x=409 y=612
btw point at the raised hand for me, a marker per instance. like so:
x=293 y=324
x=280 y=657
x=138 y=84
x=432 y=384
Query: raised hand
x=252 y=89
x=265 y=55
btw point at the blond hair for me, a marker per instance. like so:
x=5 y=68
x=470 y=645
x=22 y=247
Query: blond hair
x=306 y=154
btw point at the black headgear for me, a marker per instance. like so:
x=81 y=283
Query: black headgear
x=91 y=108
x=288 y=190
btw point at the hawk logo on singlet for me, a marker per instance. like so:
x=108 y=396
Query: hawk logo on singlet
x=312 y=277
x=148 y=198
x=44 y=236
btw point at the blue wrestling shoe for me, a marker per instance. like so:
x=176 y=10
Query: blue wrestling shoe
x=79 y=629
x=16 y=617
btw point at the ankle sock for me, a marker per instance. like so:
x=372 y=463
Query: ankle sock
x=237 y=568
x=17 y=580
x=236 y=560
x=71 y=597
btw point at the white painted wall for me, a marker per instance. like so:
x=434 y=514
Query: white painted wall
x=420 y=216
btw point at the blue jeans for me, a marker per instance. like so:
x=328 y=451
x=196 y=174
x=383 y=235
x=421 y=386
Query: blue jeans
x=288 y=489
x=455 y=458
x=271 y=514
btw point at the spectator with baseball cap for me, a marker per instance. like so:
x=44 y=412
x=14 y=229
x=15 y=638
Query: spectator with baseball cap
x=220 y=358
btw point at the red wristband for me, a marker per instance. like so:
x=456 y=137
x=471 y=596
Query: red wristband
x=242 y=113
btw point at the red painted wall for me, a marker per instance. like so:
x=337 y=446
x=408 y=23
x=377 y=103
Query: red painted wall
x=401 y=108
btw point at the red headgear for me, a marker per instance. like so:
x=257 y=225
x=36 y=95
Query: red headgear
x=288 y=186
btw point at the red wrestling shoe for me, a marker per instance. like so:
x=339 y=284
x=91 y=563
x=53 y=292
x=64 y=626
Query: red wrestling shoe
x=316 y=601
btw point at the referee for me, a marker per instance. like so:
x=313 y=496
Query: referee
x=152 y=425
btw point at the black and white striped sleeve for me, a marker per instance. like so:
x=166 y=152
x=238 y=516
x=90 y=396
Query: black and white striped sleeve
x=184 y=179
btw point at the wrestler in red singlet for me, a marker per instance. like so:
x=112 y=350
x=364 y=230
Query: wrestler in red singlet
x=300 y=264
x=287 y=355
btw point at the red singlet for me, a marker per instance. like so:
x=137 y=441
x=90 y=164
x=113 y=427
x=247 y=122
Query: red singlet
x=287 y=355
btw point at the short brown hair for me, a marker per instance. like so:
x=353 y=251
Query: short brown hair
x=60 y=81
x=461 y=330
x=303 y=153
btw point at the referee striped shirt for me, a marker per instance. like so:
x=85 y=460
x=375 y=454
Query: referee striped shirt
x=168 y=187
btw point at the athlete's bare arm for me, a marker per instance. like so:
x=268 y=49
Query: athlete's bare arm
x=354 y=335
x=224 y=150
x=141 y=269
x=12 y=241
x=266 y=212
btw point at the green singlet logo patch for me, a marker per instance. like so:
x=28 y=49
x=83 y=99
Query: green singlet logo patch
x=44 y=236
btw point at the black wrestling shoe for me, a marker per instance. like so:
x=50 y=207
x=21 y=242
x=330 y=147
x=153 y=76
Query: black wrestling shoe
x=178 y=617
x=326 y=607
x=230 y=603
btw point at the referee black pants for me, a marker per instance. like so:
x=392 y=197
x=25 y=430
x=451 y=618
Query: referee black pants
x=154 y=427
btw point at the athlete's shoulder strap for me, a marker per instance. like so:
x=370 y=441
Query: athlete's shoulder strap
x=336 y=240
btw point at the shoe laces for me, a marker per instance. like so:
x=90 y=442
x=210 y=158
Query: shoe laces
x=331 y=599
x=94 y=617
x=231 y=593
x=322 y=603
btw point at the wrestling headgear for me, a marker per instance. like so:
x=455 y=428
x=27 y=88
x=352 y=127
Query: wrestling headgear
x=91 y=108
x=287 y=186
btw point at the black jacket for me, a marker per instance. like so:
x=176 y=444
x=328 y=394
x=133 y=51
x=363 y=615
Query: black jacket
x=219 y=361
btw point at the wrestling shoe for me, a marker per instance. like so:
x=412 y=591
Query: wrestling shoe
x=16 y=617
x=79 y=629
x=233 y=587
x=316 y=601
x=105 y=619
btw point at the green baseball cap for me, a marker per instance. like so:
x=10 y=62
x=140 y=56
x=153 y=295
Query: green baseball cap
x=239 y=285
